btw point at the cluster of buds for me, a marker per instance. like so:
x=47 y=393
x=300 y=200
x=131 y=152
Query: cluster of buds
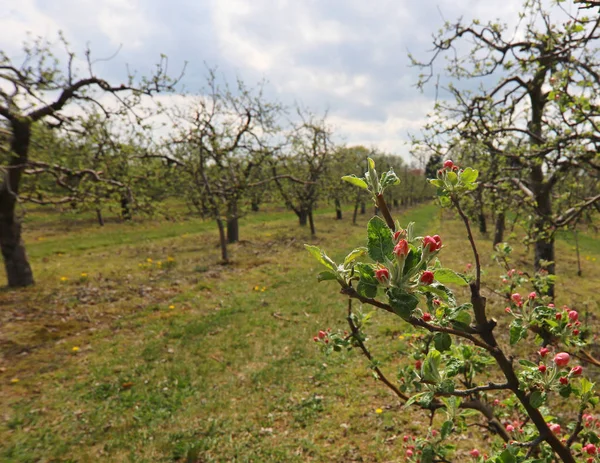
x=448 y=165
x=409 y=446
x=322 y=336
x=560 y=360
x=589 y=421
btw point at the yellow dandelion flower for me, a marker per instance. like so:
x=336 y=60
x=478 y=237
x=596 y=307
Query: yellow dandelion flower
x=257 y=288
x=14 y=380
x=379 y=411
x=63 y=278
x=149 y=260
x=159 y=264
x=170 y=259
x=263 y=289
x=84 y=275
x=75 y=349
x=401 y=337
x=171 y=306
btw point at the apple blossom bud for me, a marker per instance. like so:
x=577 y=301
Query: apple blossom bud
x=562 y=359
x=507 y=310
x=436 y=302
x=573 y=315
x=543 y=351
x=448 y=164
x=590 y=449
x=496 y=402
x=427 y=277
x=322 y=334
x=401 y=249
x=551 y=305
x=426 y=317
x=418 y=364
x=563 y=380
x=429 y=244
x=474 y=453
x=438 y=240
x=316 y=339
x=382 y=275
x=532 y=295
x=555 y=428
x=517 y=298
x=454 y=168
x=577 y=371
x=510 y=428
x=399 y=235
x=558 y=316
x=409 y=453
x=542 y=368
x=575 y=332
x=406 y=438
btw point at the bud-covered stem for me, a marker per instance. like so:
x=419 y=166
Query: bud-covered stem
x=385 y=212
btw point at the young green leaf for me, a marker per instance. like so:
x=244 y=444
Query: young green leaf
x=380 y=243
x=354 y=180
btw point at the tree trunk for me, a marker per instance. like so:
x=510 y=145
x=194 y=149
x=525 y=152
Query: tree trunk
x=376 y=210
x=254 y=206
x=312 y=223
x=355 y=213
x=222 y=241
x=302 y=217
x=126 y=206
x=579 y=273
x=233 y=227
x=499 y=231
x=482 y=223
x=18 y=270
x=99 y=217
x=338 y=210
x=363 y=208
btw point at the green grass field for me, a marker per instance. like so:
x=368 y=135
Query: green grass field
x=137 y=345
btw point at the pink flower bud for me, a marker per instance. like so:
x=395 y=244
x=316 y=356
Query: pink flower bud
x=496 y=402
x=573 y=315
x=555 y=428
x=454 y=168
x=427 y=277
x=551 y=305
x=418 y=365
x=438 y=240
x=504 y=280
x=544 y=351
x=382 y=275
x=563 y=380
x=562 y=359
x=316 y=339
x=399 y=235
x=576 y=371
x=426 y=317
x=474 y=453
x=436 y=302
x=401 y=249
x=322 y=334
x=409 y=453
x=542 y=368
x=406 y=438
x=532 y=295
x=517 y=298
x=429 y=243
x=448 y=164
x=434 y=432
x=507 y=310
x=510 y=428
x=327 y=341
x=590 y=449
x=576 y=332
x=558 y=315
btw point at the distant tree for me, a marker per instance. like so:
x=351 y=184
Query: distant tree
x=38 y=89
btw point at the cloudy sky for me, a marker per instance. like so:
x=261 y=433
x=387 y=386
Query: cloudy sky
x=345 y=56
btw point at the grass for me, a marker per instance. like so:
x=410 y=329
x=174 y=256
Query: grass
x=190 y=360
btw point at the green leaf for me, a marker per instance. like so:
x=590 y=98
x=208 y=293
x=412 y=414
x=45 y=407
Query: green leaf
x=412 y=259
x=452 y=177
x=371 y=163
x=326 y=275
x=442 y=341
x=380 y=243
x=403 y=303
x=527 y=363
x=354 y=180
x=517 y=332
x=431 y=366
x=367 y=283
x=427 y=454
x=355 y=254
x=469 y=175
x=389 y=178
x=537 y=399
x=321 y=257
x=449 y=276
x=436 y=182
x=446 y=428
x=461 y=314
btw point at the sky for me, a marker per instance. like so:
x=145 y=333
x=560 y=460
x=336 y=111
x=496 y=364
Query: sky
x=346 y=57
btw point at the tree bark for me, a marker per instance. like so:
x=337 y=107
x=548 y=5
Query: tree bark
x=579 y=273
x=482 y=223
x=222 y=241
x=499 y=229
x=126 y=206
x=100 y=217
x=18 y=270
x=338 y=209
x=233 y=227
x=312 y=222
x=355 y=213
x=302 y=217
x=363 y=208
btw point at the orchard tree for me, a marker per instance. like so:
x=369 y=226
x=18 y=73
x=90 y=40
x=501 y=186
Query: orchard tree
x=221 y=141
x=307 y=157
x=540 y=113
x=39 y=89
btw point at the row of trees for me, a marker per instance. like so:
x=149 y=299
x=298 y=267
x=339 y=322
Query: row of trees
x=533 y=131
x=84 y=143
